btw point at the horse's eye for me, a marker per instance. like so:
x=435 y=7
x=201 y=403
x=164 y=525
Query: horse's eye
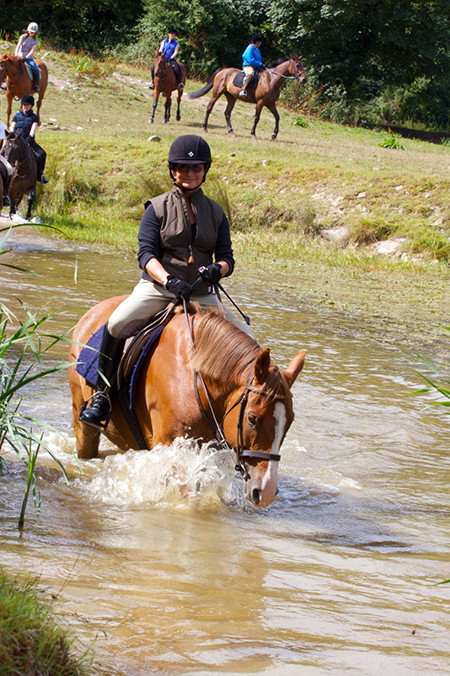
x=252 y=419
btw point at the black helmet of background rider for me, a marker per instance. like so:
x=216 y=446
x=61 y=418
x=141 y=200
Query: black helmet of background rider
x=27 y=98
x=189 y=149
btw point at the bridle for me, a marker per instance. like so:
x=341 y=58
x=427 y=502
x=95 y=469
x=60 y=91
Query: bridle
x=16 y=163
x=297 y=77
x=163 y=65
x=7 y=74
x=241 y=453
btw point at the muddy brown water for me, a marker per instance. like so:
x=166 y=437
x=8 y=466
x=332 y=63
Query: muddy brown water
x=338 y=575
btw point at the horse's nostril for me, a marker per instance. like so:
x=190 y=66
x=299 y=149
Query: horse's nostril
x=255 y=495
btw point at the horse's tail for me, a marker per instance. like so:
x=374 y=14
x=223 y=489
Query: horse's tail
x=204 y=90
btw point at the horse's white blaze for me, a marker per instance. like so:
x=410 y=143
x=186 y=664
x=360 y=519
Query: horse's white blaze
x=269 y=482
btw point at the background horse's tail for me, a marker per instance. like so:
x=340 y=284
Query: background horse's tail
x=204 y=90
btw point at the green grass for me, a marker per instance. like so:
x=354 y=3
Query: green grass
x=31 y=642
x=280 y=197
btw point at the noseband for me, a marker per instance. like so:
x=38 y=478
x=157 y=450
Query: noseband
x=241 y=453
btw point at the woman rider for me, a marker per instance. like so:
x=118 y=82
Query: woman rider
x=179 y=233
x=27 y=122
x=25 y=50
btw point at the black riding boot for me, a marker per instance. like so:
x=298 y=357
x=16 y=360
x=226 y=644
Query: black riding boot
x=152 y=85
x=99 y=412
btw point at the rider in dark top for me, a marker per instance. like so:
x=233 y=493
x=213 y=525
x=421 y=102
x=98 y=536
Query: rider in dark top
x=27 y=122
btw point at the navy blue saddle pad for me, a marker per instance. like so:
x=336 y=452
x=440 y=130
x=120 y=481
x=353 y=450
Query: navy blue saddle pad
x=87 y=365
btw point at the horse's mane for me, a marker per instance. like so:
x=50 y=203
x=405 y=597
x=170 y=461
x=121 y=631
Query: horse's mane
x=224 y=352
x=278 y=62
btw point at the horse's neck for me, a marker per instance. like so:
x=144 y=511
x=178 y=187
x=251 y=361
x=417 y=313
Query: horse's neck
x=283 y=68
x=14 y=71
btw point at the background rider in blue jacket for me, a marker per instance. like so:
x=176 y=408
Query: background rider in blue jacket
x=251 y=61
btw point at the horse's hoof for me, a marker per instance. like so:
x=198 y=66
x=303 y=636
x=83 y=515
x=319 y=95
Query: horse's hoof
x=178 y=118
x=150 y=121
x=274 y=137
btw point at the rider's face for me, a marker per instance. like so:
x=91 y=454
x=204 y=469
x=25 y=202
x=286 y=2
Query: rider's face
x=26 y=107
x=189 y=176
x=171 y=36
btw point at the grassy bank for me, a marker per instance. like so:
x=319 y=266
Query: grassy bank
x=314 y=211
x=31 y=640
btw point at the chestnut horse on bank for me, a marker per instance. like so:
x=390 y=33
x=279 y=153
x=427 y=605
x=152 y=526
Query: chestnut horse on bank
x=266 y=92
x=18 y=82
x=165 y=83
x=250 y=397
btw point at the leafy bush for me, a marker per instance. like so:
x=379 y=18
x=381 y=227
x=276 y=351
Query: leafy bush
x=391 y=142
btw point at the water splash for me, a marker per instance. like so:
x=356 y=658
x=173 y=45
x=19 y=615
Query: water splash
x=180 y=475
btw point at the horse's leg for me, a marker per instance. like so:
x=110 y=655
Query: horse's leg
x=155 y=103
x=167 y=107
x=274 y=111
x=180 y=94
x=218 y=90
x=87 y=437
x=31 y=198
x=258 y=109
x=9 y=99
x=229 y=109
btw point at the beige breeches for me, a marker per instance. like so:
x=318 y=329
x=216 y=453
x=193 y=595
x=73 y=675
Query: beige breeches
x=146 y=300
x=248 y=71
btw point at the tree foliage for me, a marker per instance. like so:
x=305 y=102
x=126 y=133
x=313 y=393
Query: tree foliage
x=81 y=23
x=392 y=55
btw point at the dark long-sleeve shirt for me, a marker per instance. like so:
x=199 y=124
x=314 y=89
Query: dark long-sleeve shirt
x=150 y=245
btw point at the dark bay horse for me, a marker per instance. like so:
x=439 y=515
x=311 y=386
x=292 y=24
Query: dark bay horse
x=18 y=82
x=250 y=397
x=266 y=92
x=165 y=83
x=24 y=177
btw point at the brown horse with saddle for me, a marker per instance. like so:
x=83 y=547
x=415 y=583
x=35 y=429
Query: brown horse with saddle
x=18 y=82
x=167 y=81
x=202 y=377
x=265 y=92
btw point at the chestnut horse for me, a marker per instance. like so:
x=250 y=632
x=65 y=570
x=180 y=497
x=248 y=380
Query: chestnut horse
x=165 y=83
x=266 y=92
x=24 y=176
x=18 y=82
x=249 y=407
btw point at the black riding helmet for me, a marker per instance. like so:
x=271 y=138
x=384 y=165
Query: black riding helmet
x=27 y=98
x=189 y=149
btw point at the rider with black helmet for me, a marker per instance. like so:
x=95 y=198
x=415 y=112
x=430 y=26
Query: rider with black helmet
x=27 y=122
x=180 y=232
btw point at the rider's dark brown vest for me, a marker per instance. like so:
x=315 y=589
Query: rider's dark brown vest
x=176 y=234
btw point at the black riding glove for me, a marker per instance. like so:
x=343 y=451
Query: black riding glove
x=179 y=288
x=213 y=273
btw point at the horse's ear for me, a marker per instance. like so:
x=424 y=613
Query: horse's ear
x=262 y=365
x=156 y=52
x=294 y=368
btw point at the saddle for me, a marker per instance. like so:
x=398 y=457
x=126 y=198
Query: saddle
x=137 y=348
x=31 y=72
x=239 y=79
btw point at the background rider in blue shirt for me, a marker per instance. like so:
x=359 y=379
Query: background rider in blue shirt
x=170 y=47
x=251 y=61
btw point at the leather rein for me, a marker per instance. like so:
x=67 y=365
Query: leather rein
x=241 y=452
